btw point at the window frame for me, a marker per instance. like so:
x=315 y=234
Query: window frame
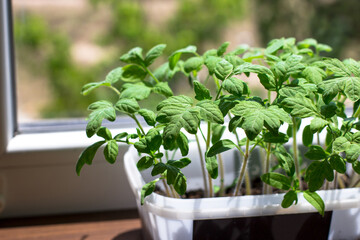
x=37 y=166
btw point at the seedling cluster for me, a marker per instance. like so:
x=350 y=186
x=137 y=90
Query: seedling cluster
x=299 y=84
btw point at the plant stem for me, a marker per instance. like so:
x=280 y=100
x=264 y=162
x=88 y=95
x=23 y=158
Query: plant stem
x=115 y=90
x=152 y=75
x=296 y=160
x=357 y=113
x=247 y=183
x=222 y=174
x=207 y=147
x=267 y=167
x=166 y=187
x=138 y=123
x=206 y=191
x=243 y=168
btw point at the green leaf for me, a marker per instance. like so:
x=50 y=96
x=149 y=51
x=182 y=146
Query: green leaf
x=171 y=174
x=112 y=77
x=315 y=175
x=153 y=139
x=314 y=199
x=353 y=66
x=234 y=60
x=180 y=184
x=134 y=56
x=100 y=110
x=337 y=163
x=217 y=132
x=356 y=137
x=201 y=92
x=144 y=163
x=275 y=137
x=220 y=146
x=164 y=73
x=175 y=56
x=212 y=166
x=210 y=112
x=223 y=69
x=141 y=146
x=286 y=162
x=235 y=86
x=177 y=112
x=289 y=198
x=222 y=49
x=149 y=116
x=316 y=153
x=340 y=144
x=255 y=115
x=193 y=64
x=300 y=106
x=356 y=166
x=211 y=62
x=133 y=73
x=181 y=163
x=163 y=89
x=274 y=45
x=323 y=47
x=127 y=105
x=137 y=91
x=87 y=156
x=159 y=168
x=154 y=53
x=119 y=136
x=276 y=180
x=307 y=136
x=104 y=133
x=111 y=151
x=235 y=122
x=349 y=85
x=183 y=144
x=314 y=74
x=317 y=124
x=147 y=189
x=337 y=67
x=328 y=171
x=328 y=110
x=352 y=152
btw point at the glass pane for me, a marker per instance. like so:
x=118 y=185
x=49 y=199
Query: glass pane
x=62 y=44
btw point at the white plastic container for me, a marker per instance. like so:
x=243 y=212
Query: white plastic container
x=169 y=218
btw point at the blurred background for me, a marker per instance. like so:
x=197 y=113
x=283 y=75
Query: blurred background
x=62 y=44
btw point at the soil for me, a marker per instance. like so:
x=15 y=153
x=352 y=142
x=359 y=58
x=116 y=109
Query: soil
x=256 y=189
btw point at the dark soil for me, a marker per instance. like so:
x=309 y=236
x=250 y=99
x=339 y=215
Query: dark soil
x=256 y=189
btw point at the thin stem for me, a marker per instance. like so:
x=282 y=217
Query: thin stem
x=166 y=187
x=222 y=174
x=207 y=147
x=357 y=113
x=115 y=90
x=296 y=160
x=341 y=182
x=243 y=168
x=152 y=75
x=267 y=167
x=318 y=138
x=247 y=183
x=356 y=183
x=175 y=194
x=138 y=123
x=206 y=191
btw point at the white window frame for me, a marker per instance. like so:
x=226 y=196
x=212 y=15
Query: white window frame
x=37 y=170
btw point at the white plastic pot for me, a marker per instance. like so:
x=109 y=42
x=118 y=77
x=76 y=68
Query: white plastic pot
x=169 y=218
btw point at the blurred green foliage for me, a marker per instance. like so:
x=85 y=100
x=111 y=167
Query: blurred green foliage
x=333 y=22
x=195 y=22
